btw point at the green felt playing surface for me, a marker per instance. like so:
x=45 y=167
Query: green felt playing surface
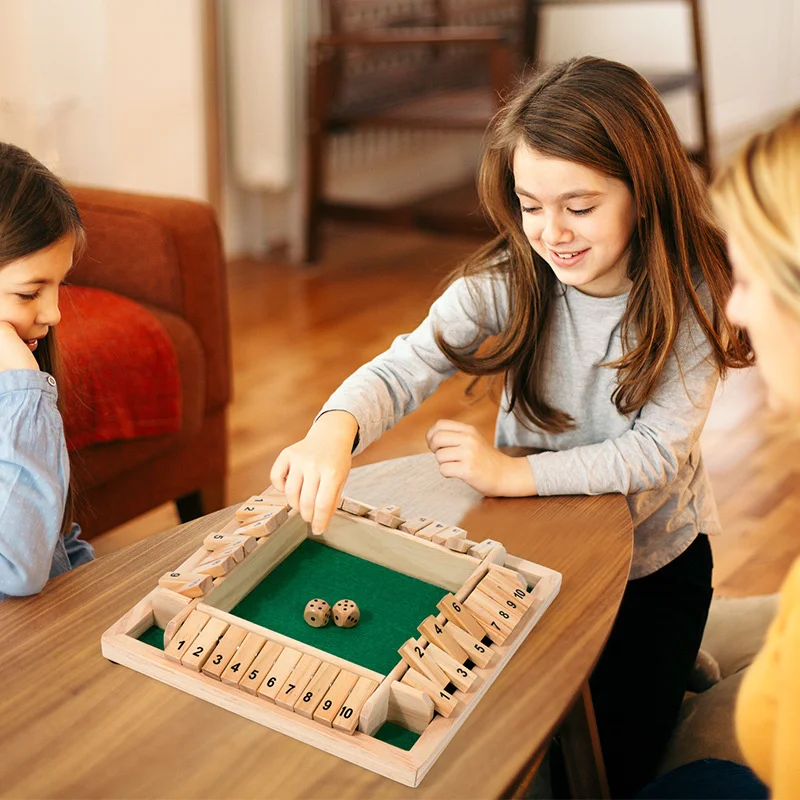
x=391 y=604
x=154 y=637
x=397 y=736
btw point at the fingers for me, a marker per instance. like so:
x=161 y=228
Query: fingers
x=446 y=439
x=293 y=487
x=311 y=488
x=448 y=428
x=327 y=499
x=446 y=455
x=280 y=469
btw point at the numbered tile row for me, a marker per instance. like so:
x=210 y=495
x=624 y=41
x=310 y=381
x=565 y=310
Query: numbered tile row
x=222 y=551
x=450 y=536
x=293 y=680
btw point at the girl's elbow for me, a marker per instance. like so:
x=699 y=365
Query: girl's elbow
x=653 y=476
x=24 y=583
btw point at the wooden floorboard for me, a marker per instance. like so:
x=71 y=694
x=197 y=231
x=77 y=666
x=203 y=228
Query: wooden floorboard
x=297 y=332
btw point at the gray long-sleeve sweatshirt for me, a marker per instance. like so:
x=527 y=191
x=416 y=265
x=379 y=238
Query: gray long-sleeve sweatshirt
x=651 y=456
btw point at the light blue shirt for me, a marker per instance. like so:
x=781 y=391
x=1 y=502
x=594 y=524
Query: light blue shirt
x=34 y=478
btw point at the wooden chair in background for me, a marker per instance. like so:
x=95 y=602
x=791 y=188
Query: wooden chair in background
x=409 y=64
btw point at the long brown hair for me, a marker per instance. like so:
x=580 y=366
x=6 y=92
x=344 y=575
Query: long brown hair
x=36 y=211
x=604 y=116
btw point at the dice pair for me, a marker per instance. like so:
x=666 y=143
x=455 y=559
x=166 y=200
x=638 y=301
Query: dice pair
x=318 y=612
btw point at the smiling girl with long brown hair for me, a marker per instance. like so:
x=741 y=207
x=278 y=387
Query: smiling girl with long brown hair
x=600 y=303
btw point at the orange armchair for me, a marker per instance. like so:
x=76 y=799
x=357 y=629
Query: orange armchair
x=165 y=255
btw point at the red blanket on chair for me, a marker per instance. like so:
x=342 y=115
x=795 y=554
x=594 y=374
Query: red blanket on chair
x=120 y=378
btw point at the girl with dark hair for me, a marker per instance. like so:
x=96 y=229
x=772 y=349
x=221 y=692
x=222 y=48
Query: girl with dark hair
x=40 y=234
x=600 y=303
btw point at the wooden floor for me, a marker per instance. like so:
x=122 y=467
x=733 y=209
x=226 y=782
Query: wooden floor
x=297 y=332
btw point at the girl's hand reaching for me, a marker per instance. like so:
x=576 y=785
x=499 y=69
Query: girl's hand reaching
x=312 y=472
x=462 y=452
x=14 y=353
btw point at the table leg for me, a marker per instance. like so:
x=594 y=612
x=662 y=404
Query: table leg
x=580 y=743
x=522 y=783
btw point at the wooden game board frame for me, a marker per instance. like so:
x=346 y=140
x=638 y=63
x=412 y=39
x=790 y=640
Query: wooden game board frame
x=403 y=552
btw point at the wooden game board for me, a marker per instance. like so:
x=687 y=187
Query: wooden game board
x=457 y=613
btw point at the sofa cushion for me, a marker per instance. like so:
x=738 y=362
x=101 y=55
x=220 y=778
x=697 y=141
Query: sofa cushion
x=736 y=629
x=705 y=727
x=100 y=463
x=121 y=377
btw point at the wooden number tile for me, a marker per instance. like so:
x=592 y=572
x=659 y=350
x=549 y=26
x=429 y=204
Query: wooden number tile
x=461 y=616
x=415 y=524
x=256 y=505
x=458 y=545
x=495 y=587
x=177 y=579
x=482 y=549
x=355 y=508
x=204 y=644
x=495 y=622
x=327 y=710
x=296 y=683
x=217 y=566
x=436 y=634
x=500 y=611
x=453 y=532
x=242 y=659
x=249 y=511
x=234 y=551
x=429 y=531
x=443 y=701
x=281 y=670
x=265 y=524
x=517 y=601
x=479 y=654
x=324 y=677
x=221 y=541
x=509 y=607
x=195 y=586
x=509 y=576
x=185 y=635
x=461 y=677
x=223 y=652
x=386 y=515
x=347 y=718
x=260 y=667
x=414 y=655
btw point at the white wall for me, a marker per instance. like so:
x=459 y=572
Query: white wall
x=751 y=52
x=126 y=79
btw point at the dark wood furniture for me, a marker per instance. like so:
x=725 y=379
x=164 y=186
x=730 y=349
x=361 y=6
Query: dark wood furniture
x=415 y=64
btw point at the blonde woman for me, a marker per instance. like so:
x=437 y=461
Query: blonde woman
x=757 y=198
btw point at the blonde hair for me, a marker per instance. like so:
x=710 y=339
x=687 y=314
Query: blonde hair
x=757 y=197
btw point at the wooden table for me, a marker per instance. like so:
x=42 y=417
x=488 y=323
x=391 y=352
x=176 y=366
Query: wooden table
x=72 y=724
